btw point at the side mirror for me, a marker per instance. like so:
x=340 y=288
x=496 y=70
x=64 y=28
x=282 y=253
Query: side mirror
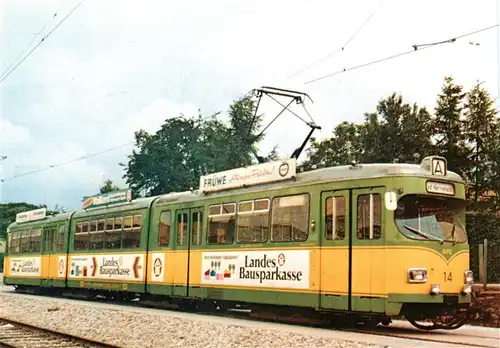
x=391 y=201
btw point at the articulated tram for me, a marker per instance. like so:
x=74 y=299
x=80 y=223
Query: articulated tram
x=372 y=241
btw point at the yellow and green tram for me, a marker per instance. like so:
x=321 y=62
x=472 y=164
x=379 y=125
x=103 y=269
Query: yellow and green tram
x=367 y=240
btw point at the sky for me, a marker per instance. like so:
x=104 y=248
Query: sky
x=114 y=67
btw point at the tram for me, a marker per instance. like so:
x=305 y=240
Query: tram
x=369 y=241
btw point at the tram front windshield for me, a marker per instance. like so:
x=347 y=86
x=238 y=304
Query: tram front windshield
x=431 y=218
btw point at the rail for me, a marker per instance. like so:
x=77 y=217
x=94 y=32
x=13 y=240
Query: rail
x=16 y=334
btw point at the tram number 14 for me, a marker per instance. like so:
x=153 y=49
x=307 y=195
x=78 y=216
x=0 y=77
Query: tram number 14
x=447 y=277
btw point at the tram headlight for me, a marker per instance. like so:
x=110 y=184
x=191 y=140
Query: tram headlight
x=467 y=289
x=468 y=277
x=417 y=275
x=435 y=289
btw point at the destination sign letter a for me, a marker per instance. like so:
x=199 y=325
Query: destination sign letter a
x=438 y=166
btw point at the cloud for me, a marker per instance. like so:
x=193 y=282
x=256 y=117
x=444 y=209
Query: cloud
x=115 y=67
x=12 y=135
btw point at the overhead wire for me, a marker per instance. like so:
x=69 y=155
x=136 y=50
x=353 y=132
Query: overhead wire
x=83 y=157
x=34 y=39
x=66 y=162
x=340 y=48
x=8 y=72
x=416 y=48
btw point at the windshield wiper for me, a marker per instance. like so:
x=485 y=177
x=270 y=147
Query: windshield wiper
x=428 y=236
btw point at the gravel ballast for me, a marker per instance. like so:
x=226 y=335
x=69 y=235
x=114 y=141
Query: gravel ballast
x=129 y=328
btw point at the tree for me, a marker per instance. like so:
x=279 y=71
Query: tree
x=403 y=130
x=8 y=212
x=166 y=160
x=447 y=126
x=371 y=137
x=108 y=186
x=416 y=135
x=183 y=149
x=495 y=179
x=481 y=129
x=334 y=151
x=396 y=131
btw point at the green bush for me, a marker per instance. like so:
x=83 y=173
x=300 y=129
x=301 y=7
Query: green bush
x=481 y=225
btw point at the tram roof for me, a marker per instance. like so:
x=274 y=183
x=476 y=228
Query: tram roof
x=45 y=221
x=337 y=173
x=322 y=175
x=138 y=203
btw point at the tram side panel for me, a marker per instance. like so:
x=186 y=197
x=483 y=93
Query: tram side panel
x=108 y=252
x=23 y=263
x=234 y=256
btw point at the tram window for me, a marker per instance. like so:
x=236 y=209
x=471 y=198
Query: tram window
x=60 y=238
x=221 y=223
x=182 y=228
x=14 y=241
x=215 y=209
x=335 y=218
x=244 y=207
x=82 y=236
x=10 y=237
x=100 y=225
x=47 y=239
x=132 y=235
x=290 y=218
x=197 y=221
x=127 y=225
x=164 y=235
x=253 y=221
x=96 y=237
x=114 y=234
x=109 y=224
x=137 y=224
x=53 y=247
x=19 y=241
x=369 y=216
x=25 y=241
x=36 y=234
x=229 y=208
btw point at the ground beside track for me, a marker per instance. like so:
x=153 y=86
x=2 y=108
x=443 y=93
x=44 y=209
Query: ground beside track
x=134 y=326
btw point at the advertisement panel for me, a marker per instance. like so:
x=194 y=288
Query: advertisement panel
x=31 y=215
x=274 y=268
x=25 y=266
x=248 y=176
x=109 y=198
x=116 y=267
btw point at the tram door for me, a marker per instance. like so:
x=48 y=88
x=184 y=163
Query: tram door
x=335 y=227
x=188 y=227
x=48 y=247
x=368 y=290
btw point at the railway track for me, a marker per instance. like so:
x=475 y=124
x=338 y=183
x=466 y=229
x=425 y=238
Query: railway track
x=15 y=334
x=392 y=331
